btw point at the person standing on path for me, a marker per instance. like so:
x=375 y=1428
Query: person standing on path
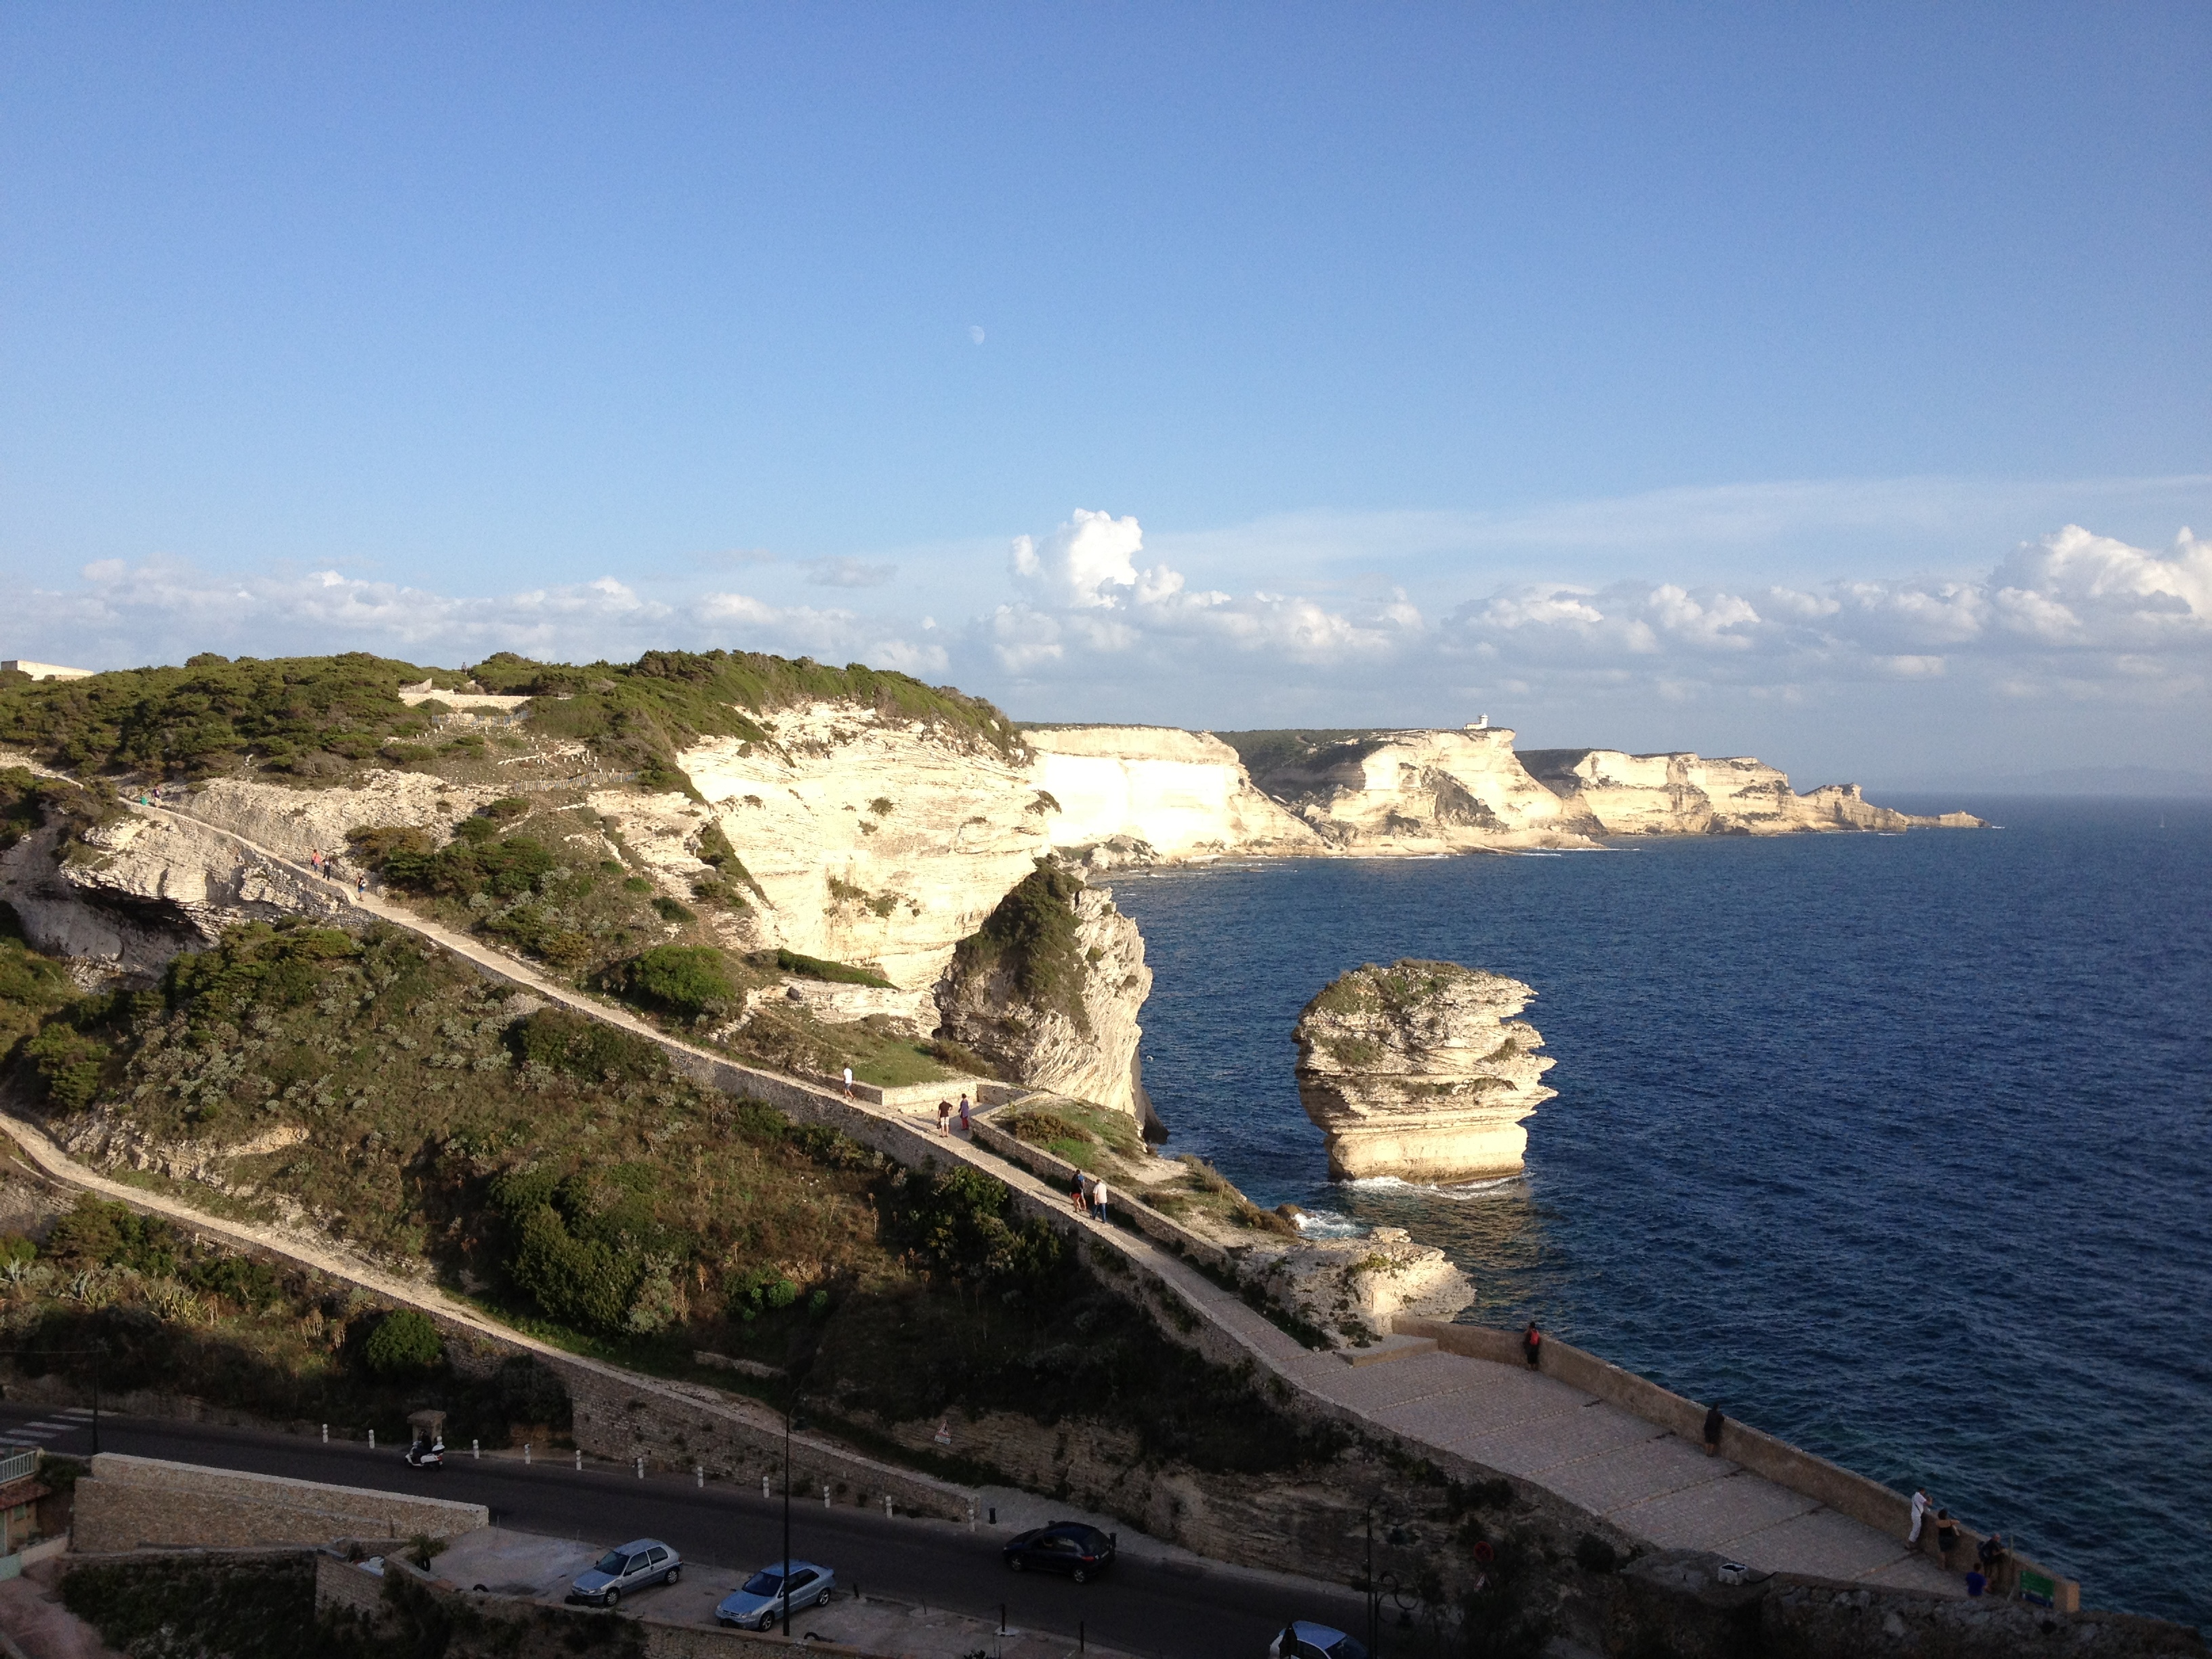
x=1919 y=1511
x=1713 y=1421
x=849 y=1083
x=1946 y=1537
x=944 y=1112
x=1532 y=1344
x=963 y=1112
x=1098 y=1199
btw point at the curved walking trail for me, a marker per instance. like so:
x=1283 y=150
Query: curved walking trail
x=1466 y=1414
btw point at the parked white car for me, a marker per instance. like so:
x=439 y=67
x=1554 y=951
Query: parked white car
x=640 y=1562
x=758 y=1603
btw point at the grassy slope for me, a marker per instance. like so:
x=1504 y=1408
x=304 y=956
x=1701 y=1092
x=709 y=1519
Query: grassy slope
x=594 y=1193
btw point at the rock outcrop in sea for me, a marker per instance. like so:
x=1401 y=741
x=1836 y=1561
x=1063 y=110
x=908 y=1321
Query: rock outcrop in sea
x=1048 y=991
x=1421 y=1070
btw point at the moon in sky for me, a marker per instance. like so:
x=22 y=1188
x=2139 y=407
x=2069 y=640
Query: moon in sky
x=976 y=332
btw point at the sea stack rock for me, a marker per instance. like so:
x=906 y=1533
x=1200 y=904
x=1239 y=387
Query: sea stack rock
x=1420 y=1070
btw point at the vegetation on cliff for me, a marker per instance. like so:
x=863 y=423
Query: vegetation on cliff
x=176 y=1315
x=1031 y=938
x=322 y=719
x=563 y=1171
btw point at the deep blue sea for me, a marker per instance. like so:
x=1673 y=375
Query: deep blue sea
x=1899 y=1145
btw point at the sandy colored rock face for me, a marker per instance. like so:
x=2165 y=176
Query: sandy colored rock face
x=1131 y=794
x=1685 y=794
x=1351 y=1288
x=874 y=842
x=1426 y=793
x=1041 y=1047
x=1420 y=1070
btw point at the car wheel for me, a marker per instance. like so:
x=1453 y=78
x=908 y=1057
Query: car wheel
x=612 y=1596
x=1081 y=1575
x=767 y=1623
x=673 y=1574
x=1013 y=1564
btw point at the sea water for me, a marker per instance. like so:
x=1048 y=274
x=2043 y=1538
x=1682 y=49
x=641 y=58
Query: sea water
x=1899 y=1146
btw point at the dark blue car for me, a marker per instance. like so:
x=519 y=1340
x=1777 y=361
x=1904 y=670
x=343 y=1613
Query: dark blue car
x=1081 y=1552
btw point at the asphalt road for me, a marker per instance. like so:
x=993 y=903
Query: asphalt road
x=1173 y=1611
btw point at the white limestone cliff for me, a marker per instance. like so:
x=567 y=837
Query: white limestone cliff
x=1132 y=794
x=1420 y=1070
x=1423 y=791
x=122 y=897
x=1688 y=794
x=870 y=840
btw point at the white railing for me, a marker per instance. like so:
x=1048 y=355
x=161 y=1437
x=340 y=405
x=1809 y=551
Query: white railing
x=22 y=1466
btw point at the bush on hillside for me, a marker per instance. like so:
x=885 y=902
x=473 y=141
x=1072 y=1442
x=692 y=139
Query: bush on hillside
x=99 y=1233
x=840 y=973
x=584 y=1048
x=405 y=1343
x=683 y=980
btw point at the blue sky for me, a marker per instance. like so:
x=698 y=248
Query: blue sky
x=1414 y=359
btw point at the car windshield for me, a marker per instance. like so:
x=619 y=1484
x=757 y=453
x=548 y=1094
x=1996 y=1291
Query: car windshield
x=613 y=1563
x=1351 y=1648
x=764 y=1582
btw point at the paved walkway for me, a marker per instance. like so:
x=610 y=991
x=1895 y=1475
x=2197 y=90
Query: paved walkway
x=1645 y=1481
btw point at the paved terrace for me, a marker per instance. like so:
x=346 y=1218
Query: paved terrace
x=1643 y=1478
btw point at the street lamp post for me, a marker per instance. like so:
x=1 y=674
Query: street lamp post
x=790 y=1421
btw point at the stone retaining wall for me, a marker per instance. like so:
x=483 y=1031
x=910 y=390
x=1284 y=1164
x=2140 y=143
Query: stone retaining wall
x=134 y=1503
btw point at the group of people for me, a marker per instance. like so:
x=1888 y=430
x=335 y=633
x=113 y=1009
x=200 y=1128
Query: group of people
x=946 y=1113
x=1990 y=1555
x=1088 y=1196
x=327 y=867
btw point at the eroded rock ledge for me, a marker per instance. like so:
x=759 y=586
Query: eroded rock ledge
x=1420 y=1070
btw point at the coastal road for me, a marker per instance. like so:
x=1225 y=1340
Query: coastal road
x=1173 y=1610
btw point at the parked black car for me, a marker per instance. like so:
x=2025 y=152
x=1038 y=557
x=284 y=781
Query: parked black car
x=1069 y=1546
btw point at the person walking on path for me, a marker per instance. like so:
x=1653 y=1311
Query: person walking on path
x=963 y=1112
x=1098 y=1199
x=1532 y=1344
x=1919 y=1512
x=1713 y=1421
x=944 y=1112
x=849 y=1083
x=1078 y=1196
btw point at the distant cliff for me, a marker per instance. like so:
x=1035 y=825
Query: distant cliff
x=1134 y=794
x=1684 y=794
x=1413 y=792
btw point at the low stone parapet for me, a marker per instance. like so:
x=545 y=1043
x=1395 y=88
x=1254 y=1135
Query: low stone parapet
x=140 y=1503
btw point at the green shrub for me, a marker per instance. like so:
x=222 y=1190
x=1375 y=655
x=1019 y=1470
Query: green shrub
x=840 y=973
x=405 y=1343
x=98 y=1233
x=238 y=1278
x=584 y=1048
x=683 y=980
x=669 y=910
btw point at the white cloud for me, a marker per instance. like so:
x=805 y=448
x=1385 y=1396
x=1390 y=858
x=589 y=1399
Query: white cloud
x=164 y=610
x=1083 y=597
x=2104 y=607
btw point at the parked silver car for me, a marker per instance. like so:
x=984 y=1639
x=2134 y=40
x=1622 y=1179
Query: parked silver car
x=1303 y=1639
x=640 y=1562
x=758 y=1603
